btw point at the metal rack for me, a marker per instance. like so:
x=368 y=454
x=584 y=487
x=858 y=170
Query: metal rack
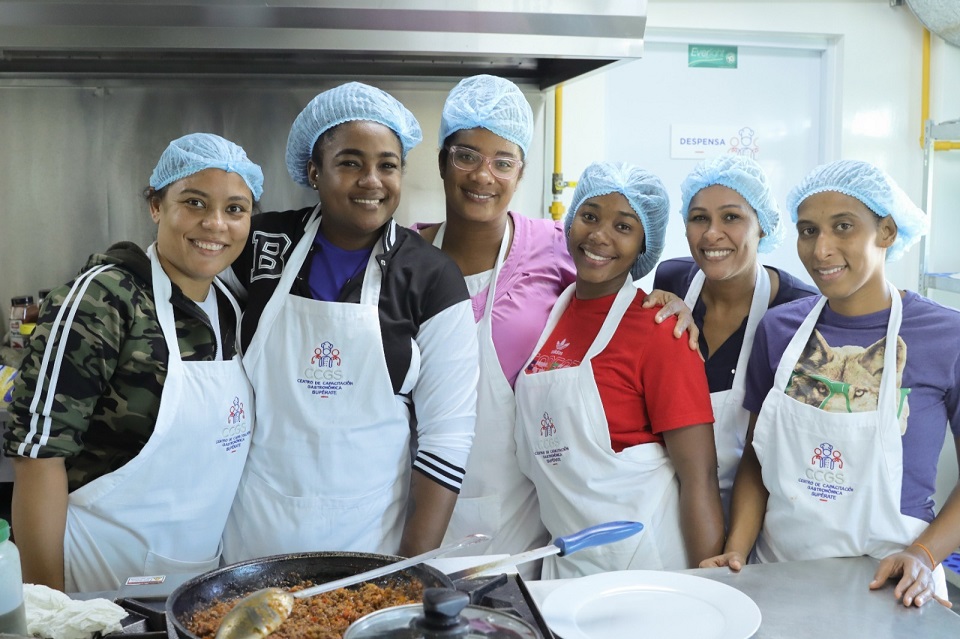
x=945 y=131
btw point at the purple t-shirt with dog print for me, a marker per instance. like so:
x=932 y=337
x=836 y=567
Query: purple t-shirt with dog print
x=849 y=351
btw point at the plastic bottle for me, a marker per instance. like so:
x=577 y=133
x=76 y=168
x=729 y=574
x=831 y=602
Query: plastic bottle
x=22 y=309
x=13 y=619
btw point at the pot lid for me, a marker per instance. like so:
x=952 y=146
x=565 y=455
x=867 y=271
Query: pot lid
x=444 y=614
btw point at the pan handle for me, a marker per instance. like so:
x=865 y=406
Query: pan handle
x=596 y=536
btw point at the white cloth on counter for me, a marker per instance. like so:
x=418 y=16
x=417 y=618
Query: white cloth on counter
x=52 y=614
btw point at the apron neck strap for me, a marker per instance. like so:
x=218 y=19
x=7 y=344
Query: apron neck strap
x=758 y=306
x=497 y=266
x=233 y=302
x=441 y=232
x=621 y=304
x=162 y=291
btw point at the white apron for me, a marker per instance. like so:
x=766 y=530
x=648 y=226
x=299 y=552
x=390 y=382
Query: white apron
x=496 y=498
x=730 y=418
x=329 y=469
x=563 y=445
x=163 y=512
x=834 y=478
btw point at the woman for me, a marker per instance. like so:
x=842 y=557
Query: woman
x=353 y=326
x=515 y=267
x=611 y=411
x=132 y=372
x=730 y=215
x=849 y=398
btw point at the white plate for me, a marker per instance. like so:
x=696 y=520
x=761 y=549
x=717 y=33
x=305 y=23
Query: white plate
x=649 y=604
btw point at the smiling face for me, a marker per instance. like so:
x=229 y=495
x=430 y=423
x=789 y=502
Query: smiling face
x=723 y=233
x=478 y=195
x=606 y=237
x=843 y=245
x=358 y=181
x=203 y=222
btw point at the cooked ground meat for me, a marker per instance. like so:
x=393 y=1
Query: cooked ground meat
x=325 y=616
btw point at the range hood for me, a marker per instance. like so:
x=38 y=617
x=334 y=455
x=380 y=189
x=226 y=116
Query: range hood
x=540 y=42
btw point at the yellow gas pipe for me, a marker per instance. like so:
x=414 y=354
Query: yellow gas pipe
x=556 y=207
x=940 y=145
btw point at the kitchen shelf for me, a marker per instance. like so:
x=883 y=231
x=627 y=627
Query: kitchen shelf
x=941 y=282
x=945 y=131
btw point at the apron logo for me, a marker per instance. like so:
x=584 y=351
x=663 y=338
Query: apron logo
x=236 y=431
x=323 y=376
x=236 y=412
x=550 y=448
x=827 y=456
x=546 y=426
x=326 y=355
x=825 y=480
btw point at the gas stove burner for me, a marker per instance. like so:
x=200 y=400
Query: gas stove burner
x=145 y=619
x=506 y=593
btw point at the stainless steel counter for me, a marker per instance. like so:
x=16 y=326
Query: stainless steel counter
x=822 y=598
x=830 y=597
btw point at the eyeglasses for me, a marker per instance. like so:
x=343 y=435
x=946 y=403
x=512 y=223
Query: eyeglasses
x=843 y=388
x=500 y=167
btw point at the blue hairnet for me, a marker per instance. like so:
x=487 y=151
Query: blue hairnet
x=875 y=189
x=347 y=102
x=489 y=102
x=199 y=151
x=744 y=176
x=646 y=195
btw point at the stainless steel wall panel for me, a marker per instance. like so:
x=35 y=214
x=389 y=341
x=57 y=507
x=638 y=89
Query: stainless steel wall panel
x=75 y=157
x=53 y=203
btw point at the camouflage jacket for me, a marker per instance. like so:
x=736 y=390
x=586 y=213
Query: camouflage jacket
x=114 y=365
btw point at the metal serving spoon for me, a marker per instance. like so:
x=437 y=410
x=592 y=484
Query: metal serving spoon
x=261 y=613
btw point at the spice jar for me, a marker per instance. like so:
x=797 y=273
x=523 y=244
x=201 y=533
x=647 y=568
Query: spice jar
x=22 y=309
x=26 y=330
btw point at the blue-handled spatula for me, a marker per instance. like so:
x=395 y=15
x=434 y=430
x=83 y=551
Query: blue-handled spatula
x=587 y=538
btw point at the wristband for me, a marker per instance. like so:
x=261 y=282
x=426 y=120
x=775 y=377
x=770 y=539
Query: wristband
x=933 y=564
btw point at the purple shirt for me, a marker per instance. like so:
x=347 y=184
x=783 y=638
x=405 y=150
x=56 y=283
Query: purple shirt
x=537 y=269
x=931 y=333
x=331 y=267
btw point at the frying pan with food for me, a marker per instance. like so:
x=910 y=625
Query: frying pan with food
x=283 y=571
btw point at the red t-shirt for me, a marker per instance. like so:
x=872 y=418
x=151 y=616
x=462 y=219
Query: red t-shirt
x=649 y=381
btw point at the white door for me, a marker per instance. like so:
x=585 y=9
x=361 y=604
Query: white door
x=769 y=107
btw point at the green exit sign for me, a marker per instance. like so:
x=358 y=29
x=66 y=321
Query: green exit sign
x=711 y=56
